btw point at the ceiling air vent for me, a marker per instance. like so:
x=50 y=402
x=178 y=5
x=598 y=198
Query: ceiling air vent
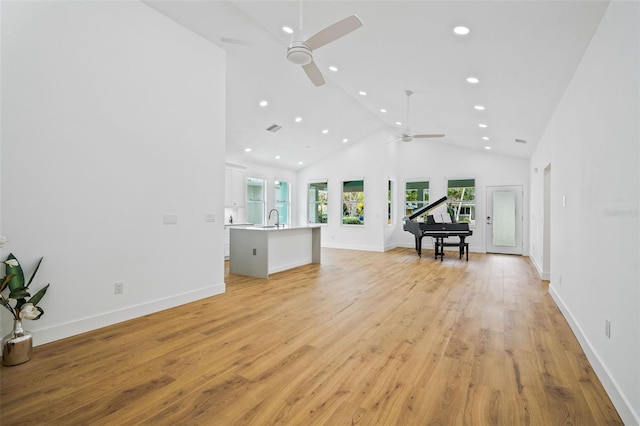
x=274 y=128
x=520 y=141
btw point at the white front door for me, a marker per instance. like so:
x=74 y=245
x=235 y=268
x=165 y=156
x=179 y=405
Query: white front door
x=504 y=219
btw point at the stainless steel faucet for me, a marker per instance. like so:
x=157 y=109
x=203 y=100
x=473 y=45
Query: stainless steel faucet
x=277 y=217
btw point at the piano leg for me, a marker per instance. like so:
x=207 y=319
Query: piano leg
x=439 y=248
x=419 y=246
x=464 y=247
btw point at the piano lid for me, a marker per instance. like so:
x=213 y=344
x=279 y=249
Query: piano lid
x=426 y=209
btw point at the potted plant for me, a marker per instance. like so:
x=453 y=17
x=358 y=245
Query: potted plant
x=17 y=345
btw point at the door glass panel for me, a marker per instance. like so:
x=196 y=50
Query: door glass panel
x=504 y=218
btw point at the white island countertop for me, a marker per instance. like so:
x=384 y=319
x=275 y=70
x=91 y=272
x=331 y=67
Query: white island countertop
x=261 y=250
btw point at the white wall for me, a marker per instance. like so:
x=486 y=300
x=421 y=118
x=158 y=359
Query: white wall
x=377 y=161
x=592 y=144
x=112 y=117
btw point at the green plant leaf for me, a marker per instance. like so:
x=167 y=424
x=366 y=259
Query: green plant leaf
x=19 y=293
x=17 y=281
x=34 y=272
x=36 y=297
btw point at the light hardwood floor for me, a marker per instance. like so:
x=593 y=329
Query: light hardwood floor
x=364 y=338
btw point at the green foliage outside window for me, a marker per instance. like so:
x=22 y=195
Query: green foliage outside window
x=317 y=198
x=416 y=195
x=462 y=200
x=353 y=202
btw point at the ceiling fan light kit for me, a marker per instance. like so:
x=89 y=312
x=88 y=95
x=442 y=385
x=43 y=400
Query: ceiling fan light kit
x=299 y=53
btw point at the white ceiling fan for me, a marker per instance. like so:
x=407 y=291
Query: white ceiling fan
x=407 y=136
x=301 y=52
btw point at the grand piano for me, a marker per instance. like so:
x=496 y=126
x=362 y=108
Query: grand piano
x=439 y=226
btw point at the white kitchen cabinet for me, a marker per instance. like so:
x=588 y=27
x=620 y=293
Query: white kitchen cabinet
x=235 y=187
x=263 y=250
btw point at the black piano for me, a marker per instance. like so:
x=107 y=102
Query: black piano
x=439 y=227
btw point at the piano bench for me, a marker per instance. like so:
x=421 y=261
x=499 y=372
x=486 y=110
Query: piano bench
x=439 y=246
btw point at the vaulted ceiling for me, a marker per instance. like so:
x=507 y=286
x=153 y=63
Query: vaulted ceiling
x=523 y=53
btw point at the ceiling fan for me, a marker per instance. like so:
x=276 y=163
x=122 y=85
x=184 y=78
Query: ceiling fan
x=301 y=52
x=407 y=136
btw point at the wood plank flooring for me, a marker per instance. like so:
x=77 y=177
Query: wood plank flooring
x=363 y=338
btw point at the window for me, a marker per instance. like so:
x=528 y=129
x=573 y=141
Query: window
x=416 y=195
x=317 y=199
x=283 y=191
x=462 y=200
x=389 y=202
x=353 y=202
x=255 y=200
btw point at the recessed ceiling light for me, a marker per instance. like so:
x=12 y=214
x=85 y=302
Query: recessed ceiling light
x=382 y=110
x=484 y=126
x=345 y=140
x=287 y=30
x=362 y=93
x=325 y=131
x=479 y=107
x=333 y=68
x=277 y=157
x=301 y=162
x=398 y=123
x=461 y=30
x=487 y=147
x=473 y=80
x=485 y=138
x=247 y=150
x=263 y=103
x=298 y=119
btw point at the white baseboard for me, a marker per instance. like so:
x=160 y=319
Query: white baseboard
x=619 y=400
x=291 y=265
x=82 y=325
x=352 y=247
x=543 y=275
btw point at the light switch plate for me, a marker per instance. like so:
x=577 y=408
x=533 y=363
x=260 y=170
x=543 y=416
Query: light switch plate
x=209 y=217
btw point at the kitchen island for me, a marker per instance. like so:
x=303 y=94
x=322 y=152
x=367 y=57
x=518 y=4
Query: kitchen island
x=258 y=251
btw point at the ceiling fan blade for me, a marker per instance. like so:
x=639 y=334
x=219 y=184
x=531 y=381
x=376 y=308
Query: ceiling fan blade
x=334 y=32
x=428 y=136
x=314 y=74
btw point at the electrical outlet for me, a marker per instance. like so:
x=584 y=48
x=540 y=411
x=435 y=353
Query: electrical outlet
x=118 y=288
x=607 y=328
